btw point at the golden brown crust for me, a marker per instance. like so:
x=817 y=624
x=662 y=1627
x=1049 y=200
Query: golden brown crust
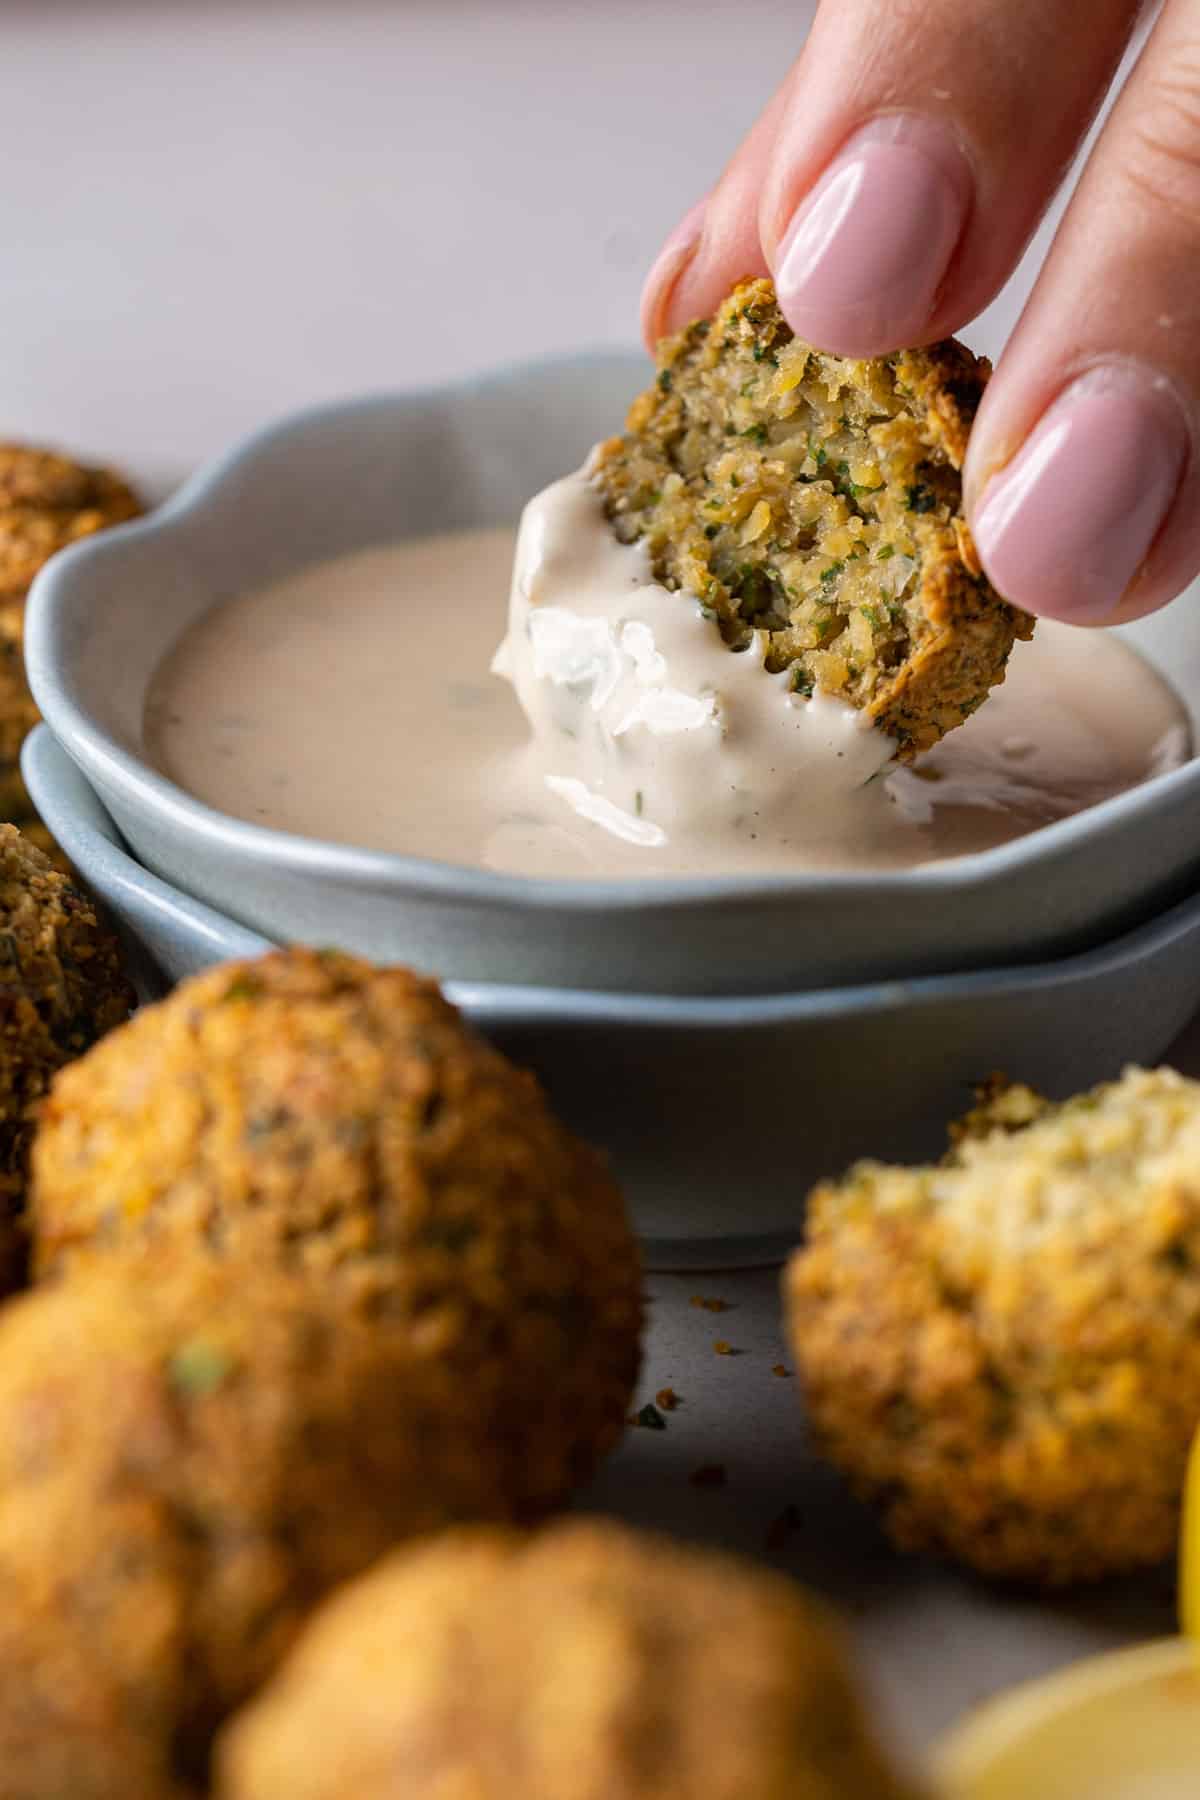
x=642 y=1671
x=18 y=713
x=47 y=502
x=62 y=986
x=1004 y=1350
x=818 y=499
x=1000 y=1105
x=311 y=1112
x=335 y=1277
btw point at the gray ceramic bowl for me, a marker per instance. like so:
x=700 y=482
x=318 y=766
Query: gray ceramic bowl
x=365 y=471
x=719 y=1114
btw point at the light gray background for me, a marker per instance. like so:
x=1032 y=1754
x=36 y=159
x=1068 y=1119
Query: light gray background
x=216 y=212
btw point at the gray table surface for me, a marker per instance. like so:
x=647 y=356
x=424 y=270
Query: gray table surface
x=933 y=1641
x=216 y=213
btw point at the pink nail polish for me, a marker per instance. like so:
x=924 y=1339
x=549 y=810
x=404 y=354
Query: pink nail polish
x=668 y=266
x=1065 y=526
x=860 y=265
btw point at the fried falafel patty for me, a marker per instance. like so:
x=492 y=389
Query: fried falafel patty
x=1004 y=1350
x=192 y=1453
x=589 y=1662
x=38 y=836
x=308 y=1110
x=46 y=502
x=1000 y=1105
x=818 y=499
x=61 y=988
x=18 y=712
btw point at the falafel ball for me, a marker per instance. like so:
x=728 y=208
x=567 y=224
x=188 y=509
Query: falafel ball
x=589 y=1662
x=38 y=836
x=1004 y=1350
x=818 y=499
x=18 y=712
x=1000 y=1105
x=46 y=502
x=62 y=987
x=192 y=1453
x=307 y=1110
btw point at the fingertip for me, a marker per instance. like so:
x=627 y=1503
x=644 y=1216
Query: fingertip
x=862 y=266
x=668 y=267
x=1065 y=527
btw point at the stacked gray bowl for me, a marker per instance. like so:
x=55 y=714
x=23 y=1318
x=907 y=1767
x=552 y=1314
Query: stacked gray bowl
x=727 y=1040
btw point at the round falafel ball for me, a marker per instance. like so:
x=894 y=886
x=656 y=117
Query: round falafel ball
x=192 y=1453
x=1004 y=1350
x=46 y=502
x=308 y=1110
x=18 y=712
x=589 y=1662
x=61 y=988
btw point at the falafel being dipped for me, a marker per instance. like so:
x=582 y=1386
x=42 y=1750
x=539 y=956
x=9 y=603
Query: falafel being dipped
x=818 y=499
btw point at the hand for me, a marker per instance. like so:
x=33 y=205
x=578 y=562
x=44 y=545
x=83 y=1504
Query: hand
x=890 y=187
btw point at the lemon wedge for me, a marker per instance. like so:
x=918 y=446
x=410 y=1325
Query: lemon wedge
x=1189 y=1552
x=1121 y=1726
x=1124 y=1726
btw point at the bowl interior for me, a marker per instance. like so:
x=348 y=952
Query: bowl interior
x=365 y=472
x=373 y=471
x=1170 y=642
x=378 y=469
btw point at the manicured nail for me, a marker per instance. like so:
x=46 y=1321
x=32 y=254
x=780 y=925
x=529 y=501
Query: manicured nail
x=860 y=265
x=1065 y=526
x=674 y=257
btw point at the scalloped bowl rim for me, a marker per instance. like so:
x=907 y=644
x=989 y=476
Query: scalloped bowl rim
x=135 y=778
x=98 y=841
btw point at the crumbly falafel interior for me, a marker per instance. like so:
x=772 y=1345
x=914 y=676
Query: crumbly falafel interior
x=810 y=497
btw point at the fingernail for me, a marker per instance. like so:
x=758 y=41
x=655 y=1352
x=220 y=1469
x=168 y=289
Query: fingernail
x=859 y=267
x=674 y=257
x=1066 y=525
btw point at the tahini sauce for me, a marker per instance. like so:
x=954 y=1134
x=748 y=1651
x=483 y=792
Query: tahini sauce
x=357 y=701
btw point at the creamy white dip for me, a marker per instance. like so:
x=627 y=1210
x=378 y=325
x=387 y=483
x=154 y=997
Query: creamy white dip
x=613 y=734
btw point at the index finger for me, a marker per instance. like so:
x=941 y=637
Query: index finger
x=907 y=159
x=720 y=232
